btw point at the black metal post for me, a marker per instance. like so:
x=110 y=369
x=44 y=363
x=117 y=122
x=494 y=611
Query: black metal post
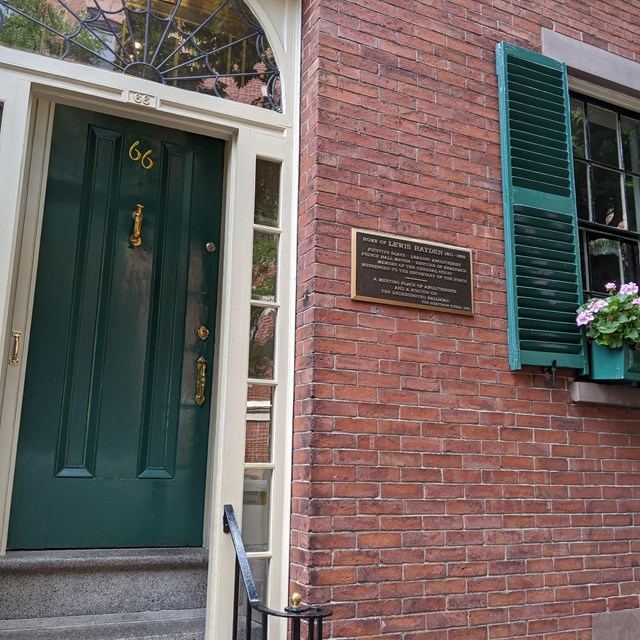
x=243 y=570
x=236 y=600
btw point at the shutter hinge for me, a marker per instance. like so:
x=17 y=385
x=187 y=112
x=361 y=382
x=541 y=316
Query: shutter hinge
x=550 y=372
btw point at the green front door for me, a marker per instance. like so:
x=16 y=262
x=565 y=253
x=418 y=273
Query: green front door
x=117 y=399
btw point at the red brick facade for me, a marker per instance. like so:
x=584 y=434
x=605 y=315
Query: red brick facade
x=437 y=495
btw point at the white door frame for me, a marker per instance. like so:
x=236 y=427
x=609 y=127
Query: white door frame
x=30 y=86
x=15 y=95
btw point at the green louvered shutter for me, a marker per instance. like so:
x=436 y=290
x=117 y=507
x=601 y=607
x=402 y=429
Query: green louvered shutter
x=544 y=285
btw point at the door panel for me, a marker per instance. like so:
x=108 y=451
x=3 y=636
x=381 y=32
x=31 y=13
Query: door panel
x=112 y=448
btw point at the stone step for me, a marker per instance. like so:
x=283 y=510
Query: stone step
x=56 y=584
x=150 y=625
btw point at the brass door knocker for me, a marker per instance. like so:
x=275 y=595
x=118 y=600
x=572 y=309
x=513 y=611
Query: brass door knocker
x=136 y=238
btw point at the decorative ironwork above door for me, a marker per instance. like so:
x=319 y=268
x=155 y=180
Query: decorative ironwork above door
x=209 y=46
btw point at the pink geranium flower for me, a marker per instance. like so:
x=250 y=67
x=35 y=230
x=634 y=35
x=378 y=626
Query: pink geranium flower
x=596 y=305
x=631 y=288
x=584 y=317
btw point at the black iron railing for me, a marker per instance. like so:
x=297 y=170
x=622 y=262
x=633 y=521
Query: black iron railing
x=297 y=615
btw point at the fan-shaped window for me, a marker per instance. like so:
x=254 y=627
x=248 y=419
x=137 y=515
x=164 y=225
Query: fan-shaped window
x=210 y=46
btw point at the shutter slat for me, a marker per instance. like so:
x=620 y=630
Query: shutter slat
x=530 y=118
x=542 y=100
x=539 y=280
x=549 y=188
x=527 y=254
x=548 y=294
x=557 y=318
x=545 y=263
x=538 y=234
x=521 y=169
x=559 y=348
x=526 y=60
x=532 y=154
x=542 y=257
x=535 y=145
x=531 y=307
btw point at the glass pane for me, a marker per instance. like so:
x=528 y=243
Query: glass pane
x=265 y=266
x=632 y=191
x=584 y=259
x=267 y=204
x=630 y=143
x=607 y=198
x=262 y=340
x=610 y=260
x=603 y=141
x=209 y=46
x=577 y=128
x=25 y=31
x=255 y=509
x=258 y=439
x=582 y=189
x=260 y=571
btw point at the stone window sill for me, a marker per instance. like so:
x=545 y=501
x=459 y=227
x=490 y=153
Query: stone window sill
x=626 y=397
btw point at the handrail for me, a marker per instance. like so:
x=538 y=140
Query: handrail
x=313 y=615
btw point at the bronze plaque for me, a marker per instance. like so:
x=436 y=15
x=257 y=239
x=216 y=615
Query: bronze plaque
x=410 y=273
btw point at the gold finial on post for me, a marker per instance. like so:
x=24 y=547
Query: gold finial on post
x=296 y=599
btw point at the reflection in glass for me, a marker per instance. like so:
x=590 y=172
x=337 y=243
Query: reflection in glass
x=603 y=138
x=1 y=109
x=632 y=194
x=259 y=426
x=260 y=571
x=267 y=202
x=630 y=143
x=262 y=342
x=265 y=266
x=582 y=189
x=610 y=260
x=577 y=128
x=255 y=509
x=209 y=46
x=607 y=198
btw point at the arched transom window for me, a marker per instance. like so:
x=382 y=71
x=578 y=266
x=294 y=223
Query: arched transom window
x=209 y=46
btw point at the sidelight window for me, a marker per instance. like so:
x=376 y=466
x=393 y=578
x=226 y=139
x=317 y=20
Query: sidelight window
x=263 y=382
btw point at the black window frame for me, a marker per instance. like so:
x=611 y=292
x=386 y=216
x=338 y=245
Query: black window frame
x=590 y=229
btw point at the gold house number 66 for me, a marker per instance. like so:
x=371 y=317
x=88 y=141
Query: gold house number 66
x=144 y=158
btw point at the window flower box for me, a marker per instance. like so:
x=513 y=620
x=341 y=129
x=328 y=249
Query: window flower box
x=613 y=325
x=622 y=364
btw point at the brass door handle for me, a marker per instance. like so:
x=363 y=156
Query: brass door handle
x=201 y=380
x=14 y=360
x=136 y=238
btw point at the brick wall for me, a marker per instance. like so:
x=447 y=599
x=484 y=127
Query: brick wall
x=438 y=495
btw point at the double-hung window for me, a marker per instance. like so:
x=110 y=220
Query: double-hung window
x=606 y=157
